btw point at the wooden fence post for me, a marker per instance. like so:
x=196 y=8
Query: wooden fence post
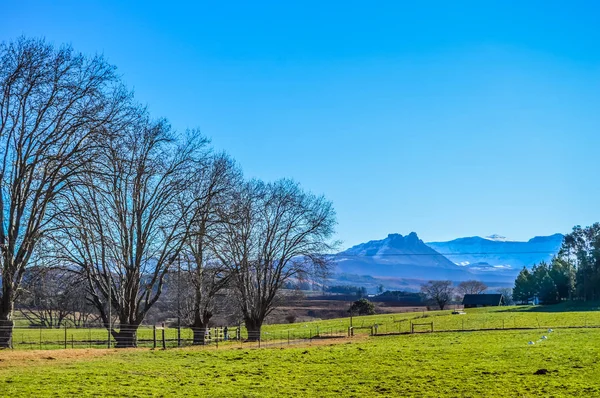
x=154 y=336
x=164 y=342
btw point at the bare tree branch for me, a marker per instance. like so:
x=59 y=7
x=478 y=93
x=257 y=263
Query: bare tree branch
x=53 y=104
x=275 y=232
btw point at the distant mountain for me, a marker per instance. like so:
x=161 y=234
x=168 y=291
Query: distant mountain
x=496 y=237
x=398 y=256
x=403 y=262
x=497 y=254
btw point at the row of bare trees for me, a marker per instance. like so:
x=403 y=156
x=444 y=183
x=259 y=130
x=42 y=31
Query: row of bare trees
x=92 y=186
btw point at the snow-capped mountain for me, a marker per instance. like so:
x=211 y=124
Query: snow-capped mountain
x=399 y=256
x=496 y=237
x=496 y=253
x=402 y=261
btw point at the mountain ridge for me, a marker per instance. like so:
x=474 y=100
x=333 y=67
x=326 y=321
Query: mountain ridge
x=478 y=253
x=397 y=256
x=496 y=260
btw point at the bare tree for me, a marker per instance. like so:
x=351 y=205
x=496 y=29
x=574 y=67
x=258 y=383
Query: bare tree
x=507 y=295
x=213 y=188
x=53 y=102
x=128 y=219
x=52 y=296
x=180 y=299
x=45 y=297
x=471 y=287
x=207 y=281
x=275 y=232
x=438 y=291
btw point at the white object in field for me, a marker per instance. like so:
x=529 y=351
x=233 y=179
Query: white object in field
x=531 y=343
x=544 y=337
x=550 y=330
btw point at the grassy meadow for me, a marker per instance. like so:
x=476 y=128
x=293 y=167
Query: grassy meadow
x=462 y=364
x=473 y=364
x=519 y=317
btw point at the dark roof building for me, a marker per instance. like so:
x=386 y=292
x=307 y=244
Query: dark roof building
x=482 y=300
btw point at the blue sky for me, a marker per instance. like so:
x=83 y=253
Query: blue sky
x=445 y=118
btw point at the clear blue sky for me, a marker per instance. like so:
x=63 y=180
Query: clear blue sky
x=448 y=118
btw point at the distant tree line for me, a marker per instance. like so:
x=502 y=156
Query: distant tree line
x=101 y=203
x=573 y=274
x=400 y=295
x=358 y=291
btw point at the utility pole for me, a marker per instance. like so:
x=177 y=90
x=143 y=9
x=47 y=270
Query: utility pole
x=178 y=301
x=109 y=306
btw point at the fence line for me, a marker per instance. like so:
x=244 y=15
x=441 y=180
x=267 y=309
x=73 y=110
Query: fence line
x=162 y=337
x=172 y=337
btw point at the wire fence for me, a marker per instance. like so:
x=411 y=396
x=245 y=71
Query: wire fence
x=24 y=338
x=166 y=337
x=461 y=321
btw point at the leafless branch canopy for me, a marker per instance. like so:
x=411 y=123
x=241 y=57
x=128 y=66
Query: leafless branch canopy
x=127 y=219
x=53 y=105
x=117 y=199
x=275 y=232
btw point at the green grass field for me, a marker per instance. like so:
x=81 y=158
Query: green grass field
x=461 y=364
x=475 y=364
x=559 y=316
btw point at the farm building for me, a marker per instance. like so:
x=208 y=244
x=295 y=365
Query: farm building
x=482 y=300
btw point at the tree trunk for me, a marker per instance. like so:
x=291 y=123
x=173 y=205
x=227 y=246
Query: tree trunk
x=199 y=335
x=253 y=327
x=201 y=319
x=126 y=337
x=6 y=330
x=6 y=322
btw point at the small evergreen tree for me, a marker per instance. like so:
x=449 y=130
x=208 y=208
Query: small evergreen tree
x=538 y=272
x=547 y=290
x=562 y=273
x=524 y=286
x=362 y=307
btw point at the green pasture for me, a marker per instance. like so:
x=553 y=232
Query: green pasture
x=472 y=364
x=519 y=317
x=531 y=317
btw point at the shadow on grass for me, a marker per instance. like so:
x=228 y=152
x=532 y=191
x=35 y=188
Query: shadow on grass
x=567 y=306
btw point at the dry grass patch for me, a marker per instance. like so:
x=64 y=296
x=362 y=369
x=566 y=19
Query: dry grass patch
x=10 y=358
